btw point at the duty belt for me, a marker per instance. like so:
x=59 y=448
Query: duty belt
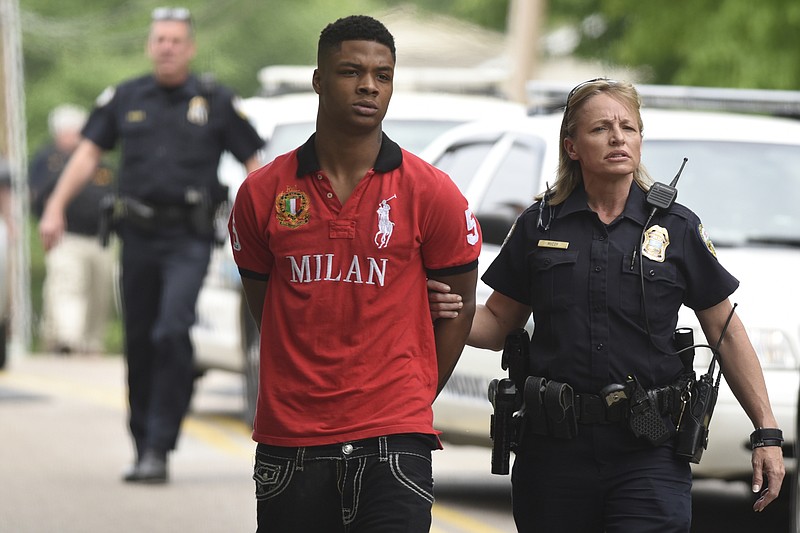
x=593 y=409
x=610 y=406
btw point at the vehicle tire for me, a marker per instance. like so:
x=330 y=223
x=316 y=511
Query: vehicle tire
x=251 y=352
x=3 y=344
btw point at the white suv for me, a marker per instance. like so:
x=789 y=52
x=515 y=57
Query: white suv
x=743 y=180
x=224 y=335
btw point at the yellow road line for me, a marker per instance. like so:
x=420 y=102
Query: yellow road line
x=461 y=521
x=214 y=436
x=218 y=432
x=212 y=432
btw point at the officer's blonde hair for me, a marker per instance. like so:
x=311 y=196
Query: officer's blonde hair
x=569 y=173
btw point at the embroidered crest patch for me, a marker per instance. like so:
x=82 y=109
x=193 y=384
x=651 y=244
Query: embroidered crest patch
x=292 y=208
x=706 y=239
x=655 y=242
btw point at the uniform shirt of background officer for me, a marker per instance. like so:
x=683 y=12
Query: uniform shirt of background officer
x=173 y=127
x=76 y=297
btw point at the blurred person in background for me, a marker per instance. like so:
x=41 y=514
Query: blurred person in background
x=173 y=127
x=76 y=297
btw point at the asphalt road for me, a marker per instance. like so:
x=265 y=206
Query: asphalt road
x=64 y=446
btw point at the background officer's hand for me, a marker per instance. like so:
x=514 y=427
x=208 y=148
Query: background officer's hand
x=51 y=227
x=768 y=472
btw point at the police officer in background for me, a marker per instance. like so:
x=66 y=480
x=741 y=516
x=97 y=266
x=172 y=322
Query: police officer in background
x=173 y=127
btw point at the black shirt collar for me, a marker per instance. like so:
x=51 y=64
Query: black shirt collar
x=390 y=157
x=189 y=88
x=635 y=206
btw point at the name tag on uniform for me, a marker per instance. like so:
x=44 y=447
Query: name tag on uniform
x=553 y=244
x=135 y=116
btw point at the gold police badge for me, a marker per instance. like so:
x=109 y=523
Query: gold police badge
x=655 y=242
x=198 y=111
x=292 y=208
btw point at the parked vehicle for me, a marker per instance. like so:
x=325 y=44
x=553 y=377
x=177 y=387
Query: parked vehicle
x=224 y=335
x=743 y=180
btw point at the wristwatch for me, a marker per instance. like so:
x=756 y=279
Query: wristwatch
x=766 y=437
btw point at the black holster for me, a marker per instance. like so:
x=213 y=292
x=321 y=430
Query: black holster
x=108 y=219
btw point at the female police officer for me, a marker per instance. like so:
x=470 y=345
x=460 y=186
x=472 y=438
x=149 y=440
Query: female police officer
x=573 y=259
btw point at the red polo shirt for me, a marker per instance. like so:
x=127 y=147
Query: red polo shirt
x=347 y=344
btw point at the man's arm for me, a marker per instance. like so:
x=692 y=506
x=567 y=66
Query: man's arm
x=744 y=376
x=79 y=170
x=255 y=291
x=451 y=334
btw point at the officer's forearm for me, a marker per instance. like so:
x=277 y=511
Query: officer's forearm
x=253 y=163
x=79 y=170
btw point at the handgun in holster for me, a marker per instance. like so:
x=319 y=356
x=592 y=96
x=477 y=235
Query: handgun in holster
x=107 y=222
x=206 y=216
x=506 y=397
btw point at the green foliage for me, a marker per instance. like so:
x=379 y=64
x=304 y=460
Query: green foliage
x=74 y=49
x=491 y=14
x=699 y=42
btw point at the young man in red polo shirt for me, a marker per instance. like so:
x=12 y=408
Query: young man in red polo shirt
x=334 y=242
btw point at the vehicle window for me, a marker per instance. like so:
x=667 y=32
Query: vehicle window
x=741 y=191
x=514 y=182
x=414 y=135
x=461 y=161
x=511 y=189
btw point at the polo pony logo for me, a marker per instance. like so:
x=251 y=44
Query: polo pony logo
x=385 y=226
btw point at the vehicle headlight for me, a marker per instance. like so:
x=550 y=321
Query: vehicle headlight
x=774 y=348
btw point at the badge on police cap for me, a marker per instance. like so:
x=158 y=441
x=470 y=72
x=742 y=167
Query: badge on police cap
x=655 y=242
x=198 y=111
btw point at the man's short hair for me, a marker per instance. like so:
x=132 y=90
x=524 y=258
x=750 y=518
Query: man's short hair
x=66 y=117
x=353 y=28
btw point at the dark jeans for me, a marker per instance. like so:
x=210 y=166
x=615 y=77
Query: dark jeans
x=604 y=480
x=380 y=485
x=161 y=279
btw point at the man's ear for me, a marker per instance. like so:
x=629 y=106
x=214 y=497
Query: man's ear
x=315 y=80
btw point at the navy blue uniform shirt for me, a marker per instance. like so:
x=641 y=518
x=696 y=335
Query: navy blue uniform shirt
x=586 y=297
x=172 y=138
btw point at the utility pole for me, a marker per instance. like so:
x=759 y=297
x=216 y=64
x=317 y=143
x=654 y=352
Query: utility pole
x=13 y=148
x=525 y=20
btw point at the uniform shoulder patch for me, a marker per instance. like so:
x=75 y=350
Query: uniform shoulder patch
x=105 y=97
x=236 y=103
x=706 y=239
